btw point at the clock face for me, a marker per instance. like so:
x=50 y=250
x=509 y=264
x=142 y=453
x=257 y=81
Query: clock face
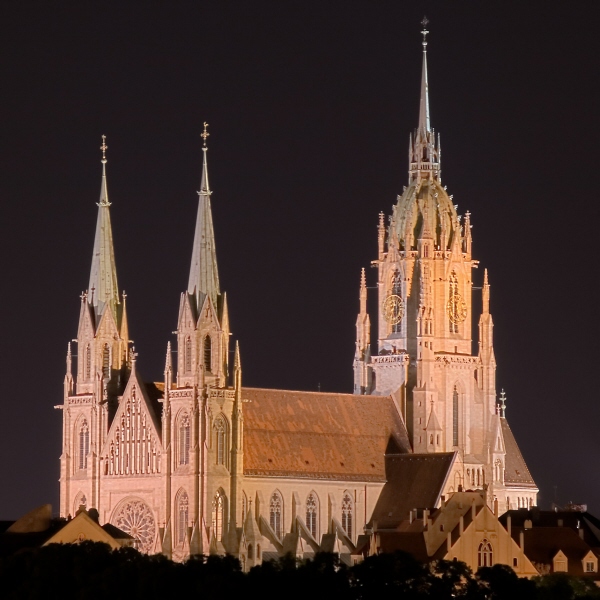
x=457 y=308
x=393 y=309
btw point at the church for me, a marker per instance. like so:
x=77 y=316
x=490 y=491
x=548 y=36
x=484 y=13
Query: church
x=199 y=464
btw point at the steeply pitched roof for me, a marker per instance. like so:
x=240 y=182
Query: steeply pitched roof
x=515 y=469
x=319 y=435
x=413 y=481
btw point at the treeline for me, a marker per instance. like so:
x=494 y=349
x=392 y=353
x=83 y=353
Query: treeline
x=92 y=571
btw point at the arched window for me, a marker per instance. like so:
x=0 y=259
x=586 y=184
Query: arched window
x=218 y=514
x=88 y=362
x=455 y=417
x=397 y=291
x=221 y=441
x=244 y=506
x=250 y=552
x=485 y=555
x=106 y=362
x=347 y=514
x=188 y=355
x=276 y=513
x=452 y=292
x=84 y=444
x=312 y=514
x=182 y=516
x=184 y=440
x=207 y=353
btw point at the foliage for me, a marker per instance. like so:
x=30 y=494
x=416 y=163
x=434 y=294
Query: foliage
x=92 y=571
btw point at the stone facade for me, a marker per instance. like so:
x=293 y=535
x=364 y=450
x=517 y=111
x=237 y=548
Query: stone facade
x=199 y=464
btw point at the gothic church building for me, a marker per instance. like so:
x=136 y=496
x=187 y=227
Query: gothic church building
x=198 y=463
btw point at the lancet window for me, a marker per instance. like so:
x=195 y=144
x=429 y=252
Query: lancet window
x=218 y=514
x=84 y=444
x=453 y=292
x=88 y=362
x=485 y=555
x=221 y=441
x=347 y=514
x=312 y=514
x=276 y=513
x=396 y=289
x=184 y=440
x=188 y=355
x=182 y=516
x=208 y=353
x=106 y=362
x=455 y=417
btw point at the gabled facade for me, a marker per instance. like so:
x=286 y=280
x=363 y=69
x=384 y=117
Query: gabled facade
x=445 y=392
x=198 y=464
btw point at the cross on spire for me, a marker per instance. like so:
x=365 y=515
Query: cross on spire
x=205 y=133
x=104 y=148
x=424 y=32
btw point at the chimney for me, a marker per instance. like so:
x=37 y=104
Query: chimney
x=425 y=515
x=496 y=507
x=522 y=541
x=581 y=532
x=508 y=525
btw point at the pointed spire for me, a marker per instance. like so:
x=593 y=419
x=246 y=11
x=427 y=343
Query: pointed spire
x=69 y=360
x=363 y=292
x=169 y=359
x=424 y=120
x=237 y=363
x=486 y=293
x=204 y=276
x=103 y=287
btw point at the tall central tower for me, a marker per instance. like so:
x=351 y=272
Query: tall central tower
x=445 y=393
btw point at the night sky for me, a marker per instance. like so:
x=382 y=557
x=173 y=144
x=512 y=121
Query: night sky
x=310 y=106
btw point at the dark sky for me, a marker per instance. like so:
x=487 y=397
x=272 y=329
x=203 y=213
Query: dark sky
x=310 y=106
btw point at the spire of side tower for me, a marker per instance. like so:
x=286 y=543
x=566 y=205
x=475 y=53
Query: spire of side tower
x=204 y=276
x=103 y=288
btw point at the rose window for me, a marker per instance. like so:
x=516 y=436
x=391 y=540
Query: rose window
x=135 y=518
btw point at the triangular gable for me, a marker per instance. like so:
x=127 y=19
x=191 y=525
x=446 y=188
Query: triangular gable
x=208 y=315
x=107 y=324
x=135 y=433
x=82 y=528
x=187 y=318
x=87 y=326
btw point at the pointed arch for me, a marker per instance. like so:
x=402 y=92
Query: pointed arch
x=312 y=514
x=80 y=500
x=276 y=513
x=106 y=362
x=348 y=514
x=207 y=353
x=181 y=516
x=221 y=428
x=188 y=354
x=396 y=290
x=218 y=514
x=183 y=438
x=485 y=554
x=82 y=443
x=455 y=415
x=88 y=361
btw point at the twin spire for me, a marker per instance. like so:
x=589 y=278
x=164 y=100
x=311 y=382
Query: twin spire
x=103 y=288
x=204 y=275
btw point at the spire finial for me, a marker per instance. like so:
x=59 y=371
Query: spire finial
x=424 y=32
x=205 y=134
x=502 y=404
x=104 y=148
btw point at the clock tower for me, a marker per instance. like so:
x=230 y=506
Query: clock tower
x=445 y=392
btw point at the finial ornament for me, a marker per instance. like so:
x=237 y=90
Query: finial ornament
x=104 y=148
x=205 y=133
x=424 y=32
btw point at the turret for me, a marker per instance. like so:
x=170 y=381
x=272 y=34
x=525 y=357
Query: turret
x=362 y=354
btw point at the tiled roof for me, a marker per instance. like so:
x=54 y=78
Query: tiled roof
x=515 y=469
x=319 y=435
x=413 y=481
